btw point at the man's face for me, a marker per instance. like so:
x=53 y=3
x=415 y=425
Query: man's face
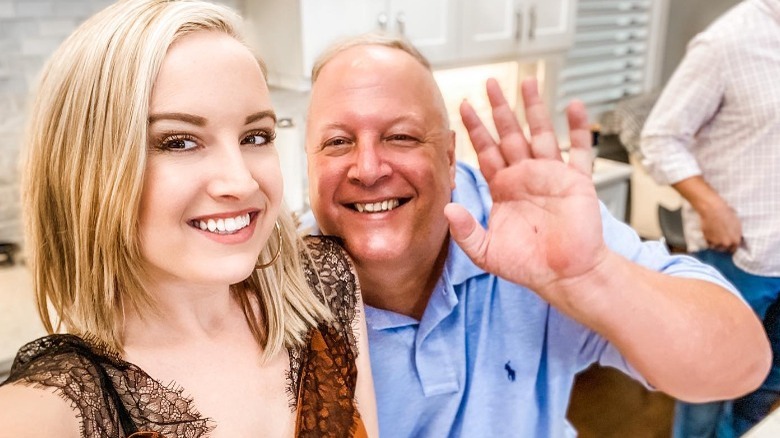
x=381 y=156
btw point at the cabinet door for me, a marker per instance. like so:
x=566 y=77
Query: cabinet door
x=325 y=21
x=430 y=25
x=549 y=26
x=492 y=29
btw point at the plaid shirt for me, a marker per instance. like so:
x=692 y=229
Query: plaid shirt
x=719 y=117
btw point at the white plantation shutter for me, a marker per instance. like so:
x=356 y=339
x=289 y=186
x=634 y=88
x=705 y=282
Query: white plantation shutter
x=613 y=55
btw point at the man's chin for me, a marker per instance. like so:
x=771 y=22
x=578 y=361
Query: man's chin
x=372 y=250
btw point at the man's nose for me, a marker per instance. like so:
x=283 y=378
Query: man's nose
x=370 y=164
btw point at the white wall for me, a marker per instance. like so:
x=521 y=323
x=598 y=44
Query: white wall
x=686 y=19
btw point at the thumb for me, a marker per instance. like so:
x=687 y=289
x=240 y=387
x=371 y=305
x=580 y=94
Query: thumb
x=466 y=232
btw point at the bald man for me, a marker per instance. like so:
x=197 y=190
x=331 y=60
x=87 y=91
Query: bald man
x=488 y=291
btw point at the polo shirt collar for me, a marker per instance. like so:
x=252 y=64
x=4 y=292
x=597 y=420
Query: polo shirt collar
x=459 y=266
x=379 y=319
x=471 y=192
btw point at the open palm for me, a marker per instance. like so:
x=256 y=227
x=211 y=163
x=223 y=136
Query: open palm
x=545 y=224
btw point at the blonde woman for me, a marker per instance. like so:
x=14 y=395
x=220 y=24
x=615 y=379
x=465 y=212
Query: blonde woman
x=156 y=234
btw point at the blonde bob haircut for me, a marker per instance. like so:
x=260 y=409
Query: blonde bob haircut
x=83 y=175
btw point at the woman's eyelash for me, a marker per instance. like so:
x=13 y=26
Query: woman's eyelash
x=268 y=136
x=175 y=141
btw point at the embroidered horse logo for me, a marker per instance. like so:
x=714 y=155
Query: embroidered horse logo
x=510 y=373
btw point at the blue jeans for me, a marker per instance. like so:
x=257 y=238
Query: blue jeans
x=732 y=419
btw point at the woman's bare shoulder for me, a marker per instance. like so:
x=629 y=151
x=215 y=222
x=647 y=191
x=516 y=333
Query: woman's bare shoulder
x=34 y=411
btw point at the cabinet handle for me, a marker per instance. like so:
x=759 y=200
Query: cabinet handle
x=532 y=24
x=381 y=21
x=400 y=20
x=518 y=25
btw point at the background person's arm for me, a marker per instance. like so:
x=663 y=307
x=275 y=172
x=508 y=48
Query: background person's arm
x=719 y=222
x=689 y=101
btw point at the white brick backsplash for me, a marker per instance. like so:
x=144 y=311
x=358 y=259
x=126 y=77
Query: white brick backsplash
x=9 y=166
x=14 y=84
x=77 y=9
x=7 y=10
x=28 y=8
x=41 y=46
x=11 y=105
x=8 y=48
x=11 y=231
x=58 y=27
x=10 y=214
x=21 y=28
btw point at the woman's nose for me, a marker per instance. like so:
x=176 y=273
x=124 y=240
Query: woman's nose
x=232 y=175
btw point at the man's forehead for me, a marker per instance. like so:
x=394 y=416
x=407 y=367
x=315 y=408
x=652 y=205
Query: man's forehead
x=365 y=60
x=379 y=73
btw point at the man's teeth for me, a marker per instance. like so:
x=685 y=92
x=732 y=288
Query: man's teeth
x=375 y=207
x=224 y=226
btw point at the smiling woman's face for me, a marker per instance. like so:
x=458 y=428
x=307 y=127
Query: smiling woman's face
x=213 y=184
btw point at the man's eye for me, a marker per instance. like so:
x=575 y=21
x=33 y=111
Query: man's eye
x=336 y=142
x=259 y=138
x=401 y=138
x=178 y=143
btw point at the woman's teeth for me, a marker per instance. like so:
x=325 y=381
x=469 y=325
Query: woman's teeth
x=375 y=207
x=224 y=226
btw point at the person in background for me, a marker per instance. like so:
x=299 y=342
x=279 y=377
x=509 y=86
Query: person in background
x=714 y=136
x=488 y=290
x=156 y=233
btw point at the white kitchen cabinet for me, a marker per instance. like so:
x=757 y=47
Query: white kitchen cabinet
x=550 y=25
x=431 y=25
x=491 y=29
x=507 y=29
x=289 y=35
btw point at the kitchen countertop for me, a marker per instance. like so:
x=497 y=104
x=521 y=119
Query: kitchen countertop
x=19 y=323
x=607 y=171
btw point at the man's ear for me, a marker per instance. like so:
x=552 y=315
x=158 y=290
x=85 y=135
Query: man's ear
x=451 y=158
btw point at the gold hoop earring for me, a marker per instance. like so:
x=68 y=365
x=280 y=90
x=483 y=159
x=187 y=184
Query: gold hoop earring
x=278 y=249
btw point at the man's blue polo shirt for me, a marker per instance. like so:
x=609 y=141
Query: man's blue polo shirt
x=490 y=358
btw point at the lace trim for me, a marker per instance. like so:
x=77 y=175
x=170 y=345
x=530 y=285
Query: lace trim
x=332 y=277
x=102 y=387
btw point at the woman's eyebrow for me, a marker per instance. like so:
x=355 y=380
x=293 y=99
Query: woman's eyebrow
x=184 y=117
x=201 y=121
x=261 y=115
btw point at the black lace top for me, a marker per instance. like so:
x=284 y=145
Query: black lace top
x=114 y=398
